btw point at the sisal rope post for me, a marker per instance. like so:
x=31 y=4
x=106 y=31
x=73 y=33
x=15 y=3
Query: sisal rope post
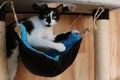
x=102 y=47
x=3 y=60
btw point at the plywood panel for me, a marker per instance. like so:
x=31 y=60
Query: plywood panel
x=115 y=44
x=83 y=66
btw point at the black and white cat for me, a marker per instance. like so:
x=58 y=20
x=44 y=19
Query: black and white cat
x=39 y=33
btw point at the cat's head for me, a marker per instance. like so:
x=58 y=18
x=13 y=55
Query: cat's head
x=50 y=16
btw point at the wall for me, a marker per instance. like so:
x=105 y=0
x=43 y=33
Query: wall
x=115 y=44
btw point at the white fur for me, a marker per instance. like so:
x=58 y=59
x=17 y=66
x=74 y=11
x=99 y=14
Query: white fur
x=42 y=36
x=53 y=22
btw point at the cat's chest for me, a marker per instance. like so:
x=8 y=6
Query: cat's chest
x=41 y=33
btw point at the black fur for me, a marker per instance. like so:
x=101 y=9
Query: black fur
x=12 y=37
x=45 y=10
x=48 y=19
x=11 y=42
x=44 y=13
x=62 y=37
x=2 y=14
x=29 y=26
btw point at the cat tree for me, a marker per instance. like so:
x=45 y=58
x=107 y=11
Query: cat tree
x=101 y=34
x=3 y=62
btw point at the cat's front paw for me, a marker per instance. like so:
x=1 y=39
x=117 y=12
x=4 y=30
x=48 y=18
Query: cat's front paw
x=75 y=31
x=61 y=47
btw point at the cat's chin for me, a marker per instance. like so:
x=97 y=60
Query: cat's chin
x=48 y=25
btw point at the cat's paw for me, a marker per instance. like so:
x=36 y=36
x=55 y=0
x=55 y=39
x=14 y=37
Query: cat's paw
x=61 y=47
x=75 y=31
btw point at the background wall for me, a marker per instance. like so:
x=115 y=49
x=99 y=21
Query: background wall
x=83 y=66
x=115 y=44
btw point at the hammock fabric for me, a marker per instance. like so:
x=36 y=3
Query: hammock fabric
x=52 y=62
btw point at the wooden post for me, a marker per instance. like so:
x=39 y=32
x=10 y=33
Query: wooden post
x=102 y=47
x=3 y=62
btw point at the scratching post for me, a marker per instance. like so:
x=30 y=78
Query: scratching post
x=102 y=47
x=3 y=64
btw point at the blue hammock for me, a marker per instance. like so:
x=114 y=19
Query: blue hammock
x=52 y=54
x=51 y=62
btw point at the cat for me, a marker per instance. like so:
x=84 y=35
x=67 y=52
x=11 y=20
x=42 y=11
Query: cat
x=39 y=33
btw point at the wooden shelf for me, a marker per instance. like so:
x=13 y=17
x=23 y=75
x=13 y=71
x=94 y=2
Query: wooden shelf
x=82 y=6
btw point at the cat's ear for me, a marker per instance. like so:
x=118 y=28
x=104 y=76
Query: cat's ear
x=40 y=7
x=59 y=8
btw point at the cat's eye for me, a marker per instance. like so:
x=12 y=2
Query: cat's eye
x=54 y=17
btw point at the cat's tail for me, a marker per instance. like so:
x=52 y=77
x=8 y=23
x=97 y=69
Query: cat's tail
x=11 y=39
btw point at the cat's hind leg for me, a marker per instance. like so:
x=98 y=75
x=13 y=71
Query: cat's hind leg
x=64 y=36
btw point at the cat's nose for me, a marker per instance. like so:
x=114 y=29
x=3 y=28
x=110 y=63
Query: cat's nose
x=48 y=20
